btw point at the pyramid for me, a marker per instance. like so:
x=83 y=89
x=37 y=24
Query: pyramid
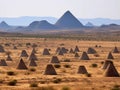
x=2 y=49
x=82 y=70
x=76 y=49
x=76 y=55
x=24 y=53
x=54 y=59
x=115 y=50
x=32 y=57
x=32 y=63
x=71 y=51
x=21 y=65
x=111 y=71
x=110 y=56
x=50 y=70
x=106 y=63
x=68 y=21
x=84 y=56
x=3 y=63
x=58 y=49
x=60 y=52
x=46 y=52
x=33 y=50
x=64 y=50
x=91 y=51
x=8 y=58
x=4 y=25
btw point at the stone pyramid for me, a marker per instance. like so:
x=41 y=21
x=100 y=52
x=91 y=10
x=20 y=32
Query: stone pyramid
x=50 y=70
x=46 y=52
x=106 y=63
x=32 y=63
x=24 y=53
x=84 y=56
x=33 y=57
x=115 y=50
x=111 y=71
x=21 y=65
x=71 y=51
x=54 y=59
x=76 y=49
x=110 y=56
x=91 y=51
x=82 y=70
x=8 y=58
x=76 y=55
x=3 y=63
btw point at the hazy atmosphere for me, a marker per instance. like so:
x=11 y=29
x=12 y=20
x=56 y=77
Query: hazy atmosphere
x=55 y=8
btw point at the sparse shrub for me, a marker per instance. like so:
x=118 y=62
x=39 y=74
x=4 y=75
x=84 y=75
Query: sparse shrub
x=67 y=66
x=33 y=85
x=65 y=88
x=116 y=87
x=102 y=62
x=88 y=74
x=94 y=65
x=11 y=73
x=12 y=82
x=96 y=55
x=42 y=82
x=46 y=88
x=57 y=80
x=67 y=60
x=57 y=65
x=32 y=69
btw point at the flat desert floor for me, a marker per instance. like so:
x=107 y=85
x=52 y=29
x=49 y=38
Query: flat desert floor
x=67 y=78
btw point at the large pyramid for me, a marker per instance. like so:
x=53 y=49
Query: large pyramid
x=68 y=21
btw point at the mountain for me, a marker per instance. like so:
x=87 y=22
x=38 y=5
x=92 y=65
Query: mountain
x=68 y=21
x=41 y=25
x=89 y=24
x=4 y=25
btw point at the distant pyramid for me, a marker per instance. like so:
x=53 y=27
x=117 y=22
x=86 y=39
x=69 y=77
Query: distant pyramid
x=54 y=59
x=41 y=25
x=111 y=71
x=110 y=56
x=50 y=70
x=60 y=52
x=2 y=49
x=8 y=58
x=21 y=65
x=45 y=52
x=91 y=51
x=64 y=50
x=115 y=50
x=33 y=57
x=68 y=21
x=71 y=51
x=76 y=49
x=32 y=63
x=84 y=56
x=3 y=63
x=82 y=70
x=3 y=25
x=89 y=24
x=24 y=53
x=58 y=49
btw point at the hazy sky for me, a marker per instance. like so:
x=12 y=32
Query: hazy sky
x=55 y=8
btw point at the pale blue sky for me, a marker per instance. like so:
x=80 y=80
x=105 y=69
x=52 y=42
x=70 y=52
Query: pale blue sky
x=55 y=8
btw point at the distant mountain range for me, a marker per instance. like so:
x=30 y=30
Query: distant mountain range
x=26 y=20
x=66 y=22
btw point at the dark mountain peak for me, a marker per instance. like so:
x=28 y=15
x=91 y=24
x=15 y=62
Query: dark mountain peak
x=4 y=25
x=89 y=24
x=41 y=25
x=68 y=20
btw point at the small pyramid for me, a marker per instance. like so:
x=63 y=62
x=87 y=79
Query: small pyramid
x=32 y=63
x=64 y=50
x=21 y=65
x=71 y=51
x=60 y=52
x=3 y=63
x=115 y=50
x=76 y=55
x=2 y=49
x=33 y=50
x=84 y=56
x=106 y=63
x=91 y=51
x=24 y=53
x=76 y=49
x=8 y=58
x=54 y=59
x=110 y=56
x=82 y=70
x=32 y=57
x=50 y=70
x=46 y=52
x=111 y=71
